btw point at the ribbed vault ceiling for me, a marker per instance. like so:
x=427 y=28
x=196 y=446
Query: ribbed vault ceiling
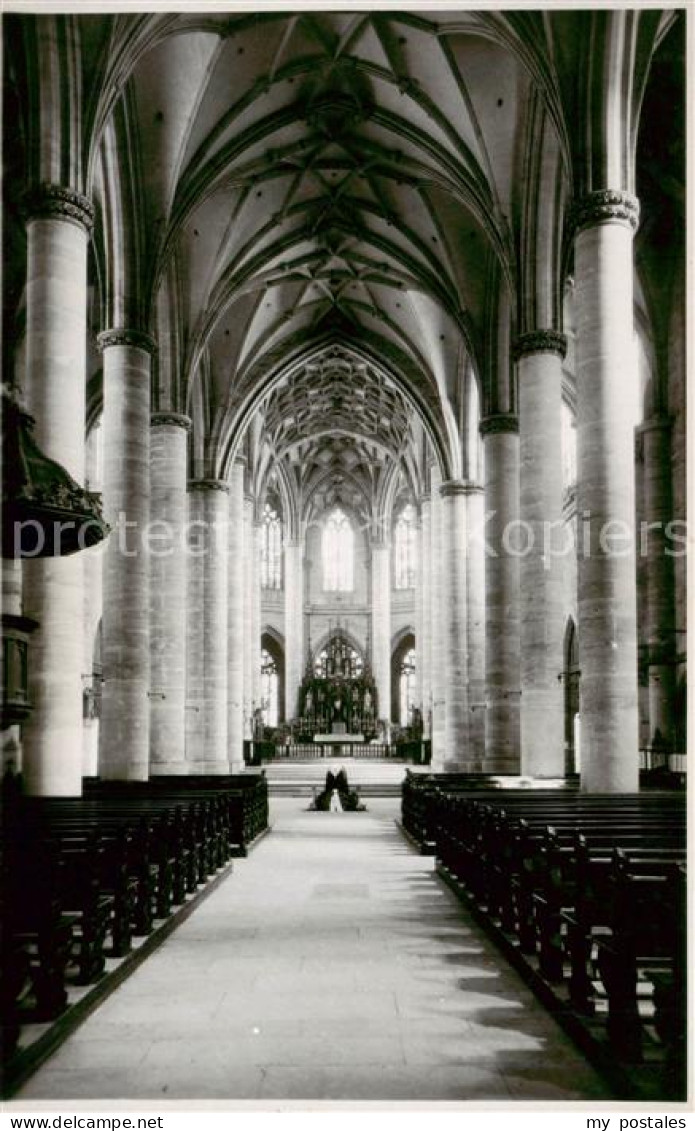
x=328 y=174
x=272 y=186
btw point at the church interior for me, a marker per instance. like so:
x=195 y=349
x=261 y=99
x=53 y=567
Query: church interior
x=344 y=421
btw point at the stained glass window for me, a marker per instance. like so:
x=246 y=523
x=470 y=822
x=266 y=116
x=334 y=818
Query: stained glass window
x=269 y=689
x=271 y=549
x=405 y=549
x=407 y=687
x=338 y=552
x=338 y=658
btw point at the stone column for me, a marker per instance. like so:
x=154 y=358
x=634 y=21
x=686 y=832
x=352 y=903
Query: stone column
x=659 y=620
x=539 y=355
x=249 y=579
x=438 y=636
x=502 y=647
x=294 y=624
x=169 y=513
x=475 y=623
x=12 y=606
x=93 y=566
x=418 y=617
x=125 y=712
x=453 y=608
x=605 y=491
x=206 y=751
x=381 y=623
x=236 y=645
x=424 y=646
x=58 y=228
x=257 y=627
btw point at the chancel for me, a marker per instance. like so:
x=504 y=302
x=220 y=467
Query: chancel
x=365 y=330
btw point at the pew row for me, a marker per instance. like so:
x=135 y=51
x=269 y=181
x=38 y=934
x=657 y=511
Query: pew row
x=587 y=892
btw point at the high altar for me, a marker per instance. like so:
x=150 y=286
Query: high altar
x=337 y=696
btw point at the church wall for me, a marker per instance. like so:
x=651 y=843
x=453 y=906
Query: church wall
x=352 y=609
x=677 y=409
x=402 y=611
x=273 y=610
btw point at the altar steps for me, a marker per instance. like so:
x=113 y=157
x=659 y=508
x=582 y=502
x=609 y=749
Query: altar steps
x=373 y=779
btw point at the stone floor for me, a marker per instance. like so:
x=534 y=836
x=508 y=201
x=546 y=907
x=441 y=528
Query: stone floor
x=332 y=964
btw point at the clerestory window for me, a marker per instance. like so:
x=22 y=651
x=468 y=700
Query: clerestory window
x=405 y=549
x=338 y=553
x=271 y=549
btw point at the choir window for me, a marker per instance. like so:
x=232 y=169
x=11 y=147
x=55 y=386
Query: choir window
x=407 y=687
x=269 y=689
x=405 y=549
x=338 y=551
x=271 y=549
x=338 y=659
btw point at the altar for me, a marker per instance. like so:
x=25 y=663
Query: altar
x=337 y=701
x=334 y=738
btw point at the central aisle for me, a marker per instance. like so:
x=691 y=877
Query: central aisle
x=332 y=964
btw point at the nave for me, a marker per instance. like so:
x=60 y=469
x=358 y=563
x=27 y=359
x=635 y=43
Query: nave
x=332 y=964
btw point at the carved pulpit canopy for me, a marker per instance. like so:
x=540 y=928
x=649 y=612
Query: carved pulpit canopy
x=45 y=513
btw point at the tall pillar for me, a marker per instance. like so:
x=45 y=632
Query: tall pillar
x=257 y=627
x=12 y=606
x=249 y=580
x=381 y=623
x=475 y=623
x=438 y=637
x=539 y=355
x=294 y=624
x=502 y=646
x=453 y=559
x=206 y=751
x=125 y=713
x=236 y=644
x=169 y=512
x=424 y=645
x=418 y=617
x=92 y=564
x=58 y=228
x=605 y=491
x=659 y=618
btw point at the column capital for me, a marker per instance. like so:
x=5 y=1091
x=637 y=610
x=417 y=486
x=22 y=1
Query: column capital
x=136 y=338
x=56 y=202
x=540 y=341
x=655 y=424
x=171 y=419
x=499 y=422
x=605 y=205
x=452 y=487
x=208 y=485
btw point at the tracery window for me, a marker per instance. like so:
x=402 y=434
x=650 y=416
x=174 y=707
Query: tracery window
x=405 y=549
x=338 y=658
x=269 y=689
x=271 y=549
x=338 y=553
x=407 y=686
